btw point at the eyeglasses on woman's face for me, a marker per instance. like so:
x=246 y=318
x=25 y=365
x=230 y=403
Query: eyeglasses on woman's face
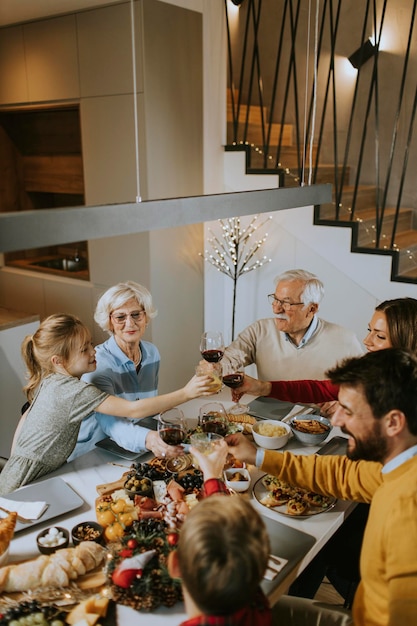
x=135 y=316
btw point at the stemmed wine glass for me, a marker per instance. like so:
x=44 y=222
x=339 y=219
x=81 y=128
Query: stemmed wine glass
x=234 y=380
x=213 y=418
x=172 y=429
x=212 y=346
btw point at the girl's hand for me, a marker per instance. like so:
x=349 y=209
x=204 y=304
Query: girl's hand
x=199 y=386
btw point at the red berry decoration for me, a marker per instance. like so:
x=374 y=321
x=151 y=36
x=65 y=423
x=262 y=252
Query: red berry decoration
x=124 y=578
x=173 y=539
x=126 y=553
x=132 y=544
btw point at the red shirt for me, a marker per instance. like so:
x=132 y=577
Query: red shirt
x=258 y=613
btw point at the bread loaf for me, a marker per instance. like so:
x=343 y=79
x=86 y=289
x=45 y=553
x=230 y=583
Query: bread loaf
x=7 y=526
x=55 y=570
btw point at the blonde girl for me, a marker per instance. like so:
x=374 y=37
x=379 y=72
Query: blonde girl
x=56 y=356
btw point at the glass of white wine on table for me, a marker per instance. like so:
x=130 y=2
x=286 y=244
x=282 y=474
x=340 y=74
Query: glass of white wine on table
x=233 y=381
x=172 y=429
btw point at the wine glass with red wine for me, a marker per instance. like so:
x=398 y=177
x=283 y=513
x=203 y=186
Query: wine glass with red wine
x=212 y=418
x=212 y=346
x=234 y=380
x=172 y=429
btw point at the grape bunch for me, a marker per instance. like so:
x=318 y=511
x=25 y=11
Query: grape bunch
x=191 y=481
x=145 y=470
x=32 y=613
x=149 y=526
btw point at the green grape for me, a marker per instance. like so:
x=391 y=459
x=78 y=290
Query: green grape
x=14 y=622
x=57 y=622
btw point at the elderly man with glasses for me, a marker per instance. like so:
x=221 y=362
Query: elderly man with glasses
x=295 y=343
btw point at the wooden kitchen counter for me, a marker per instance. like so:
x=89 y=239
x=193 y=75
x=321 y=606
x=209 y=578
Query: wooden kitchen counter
x=11 y=319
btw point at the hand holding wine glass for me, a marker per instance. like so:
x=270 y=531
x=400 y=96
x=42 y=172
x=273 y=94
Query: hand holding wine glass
x=234 y=380
x=172 y=429
x=212 y=346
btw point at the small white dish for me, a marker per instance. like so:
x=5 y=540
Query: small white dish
x=270 y=441
x=237 y=478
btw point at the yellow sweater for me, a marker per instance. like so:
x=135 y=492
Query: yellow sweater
x=387 y=594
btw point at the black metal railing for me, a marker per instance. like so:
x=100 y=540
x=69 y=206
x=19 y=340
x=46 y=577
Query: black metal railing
x=295 y=108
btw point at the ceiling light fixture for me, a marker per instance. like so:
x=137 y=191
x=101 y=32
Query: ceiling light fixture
x=366 y=51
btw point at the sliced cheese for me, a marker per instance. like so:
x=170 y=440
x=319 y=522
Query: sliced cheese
x=89 y=611
x=159 y=490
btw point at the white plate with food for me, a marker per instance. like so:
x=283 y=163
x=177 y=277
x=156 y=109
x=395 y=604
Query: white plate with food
x=279 y=496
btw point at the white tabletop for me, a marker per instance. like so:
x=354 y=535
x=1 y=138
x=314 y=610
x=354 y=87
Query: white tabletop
x=98 y=467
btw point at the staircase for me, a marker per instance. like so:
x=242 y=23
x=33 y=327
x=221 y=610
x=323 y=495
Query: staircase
x=280 y=156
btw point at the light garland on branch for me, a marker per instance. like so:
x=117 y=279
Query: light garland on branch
x=235 y=251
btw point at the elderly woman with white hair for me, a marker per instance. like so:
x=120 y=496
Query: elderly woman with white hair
x=127 y=367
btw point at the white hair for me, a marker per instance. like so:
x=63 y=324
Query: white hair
x=117 y=296
x=314 y=289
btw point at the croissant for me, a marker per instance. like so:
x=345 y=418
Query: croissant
x=55 y=570
x=7 y=526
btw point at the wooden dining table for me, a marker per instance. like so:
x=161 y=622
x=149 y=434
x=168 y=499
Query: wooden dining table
x=287 y=534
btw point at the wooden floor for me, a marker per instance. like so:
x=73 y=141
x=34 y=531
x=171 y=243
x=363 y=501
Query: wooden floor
x=327 y=593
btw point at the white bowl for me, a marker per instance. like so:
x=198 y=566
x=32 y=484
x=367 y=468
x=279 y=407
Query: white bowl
x=270 y=442
x=311 y=438
x=237 y=485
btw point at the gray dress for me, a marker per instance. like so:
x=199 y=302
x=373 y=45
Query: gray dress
x=50 y=430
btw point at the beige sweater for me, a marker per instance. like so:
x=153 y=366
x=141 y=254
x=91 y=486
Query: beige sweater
x=276 y=358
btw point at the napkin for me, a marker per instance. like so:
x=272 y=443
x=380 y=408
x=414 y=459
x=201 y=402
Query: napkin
x=27 y=510
x=274 y=566
x=297 y=409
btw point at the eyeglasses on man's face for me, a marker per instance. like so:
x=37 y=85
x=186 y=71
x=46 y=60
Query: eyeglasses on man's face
x=135 y=316
x=283 y=303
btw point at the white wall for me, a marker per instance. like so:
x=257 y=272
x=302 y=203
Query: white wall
x=354 y=283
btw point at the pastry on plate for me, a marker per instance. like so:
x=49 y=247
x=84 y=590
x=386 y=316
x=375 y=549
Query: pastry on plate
x=275 y=498
x=272 y=482
x=297 y=506
x=315 y=499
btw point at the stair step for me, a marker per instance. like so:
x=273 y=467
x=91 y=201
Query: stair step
x=410 y=274
x=254 y=132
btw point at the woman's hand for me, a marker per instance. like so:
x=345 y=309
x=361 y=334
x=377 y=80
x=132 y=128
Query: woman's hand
x=212 y=464
x=241 y=448
x=252 y=386
x=155 y=444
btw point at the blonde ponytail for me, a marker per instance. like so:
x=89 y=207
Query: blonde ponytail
x=58 y=335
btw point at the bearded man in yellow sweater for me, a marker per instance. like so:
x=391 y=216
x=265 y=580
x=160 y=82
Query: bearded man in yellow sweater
x=378 y=411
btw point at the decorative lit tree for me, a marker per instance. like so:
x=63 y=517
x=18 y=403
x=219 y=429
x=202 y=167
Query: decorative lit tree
x=235 y=251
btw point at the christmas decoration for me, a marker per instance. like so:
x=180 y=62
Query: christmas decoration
x=235 y=251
